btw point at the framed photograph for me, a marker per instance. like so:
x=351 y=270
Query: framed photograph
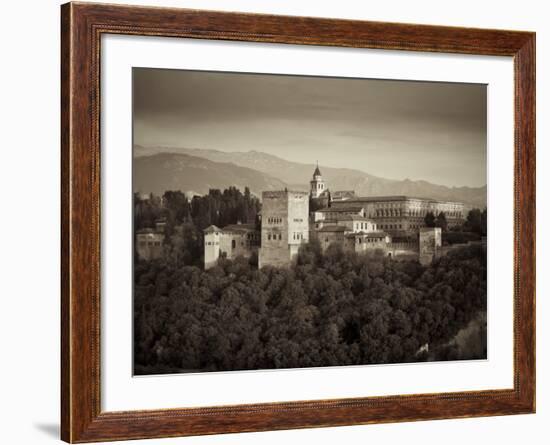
x=274 y=222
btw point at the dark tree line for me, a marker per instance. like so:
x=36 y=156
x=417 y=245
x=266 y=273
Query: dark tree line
x=473 y=228
x=476 y=221
x=147 y=211
x=315 y=204
x=223 y=208
x=336 y=308
x=186 y=219
x=217 y=207
x=436 y=221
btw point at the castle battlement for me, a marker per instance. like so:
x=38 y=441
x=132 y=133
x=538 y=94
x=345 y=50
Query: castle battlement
x=275 y=194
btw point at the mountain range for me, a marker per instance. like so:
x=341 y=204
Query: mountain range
x=172 y=171
x=157 y=169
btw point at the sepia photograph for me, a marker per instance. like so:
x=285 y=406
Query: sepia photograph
x=284 y=221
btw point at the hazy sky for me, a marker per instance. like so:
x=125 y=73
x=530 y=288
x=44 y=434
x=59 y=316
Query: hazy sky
x=393 y=129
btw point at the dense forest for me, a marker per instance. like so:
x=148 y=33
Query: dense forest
x=329 y=309
x=336 y=308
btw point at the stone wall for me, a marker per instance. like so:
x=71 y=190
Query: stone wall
x=298 y=217
x=444 y=250
x=429 y=240
x=212 y=245
x=274 y=232
x=230 y=242
x=403 y=250
x=361 y=243
x=285 y=226
x=328 y=238
x=235 y=244
x=149 y=245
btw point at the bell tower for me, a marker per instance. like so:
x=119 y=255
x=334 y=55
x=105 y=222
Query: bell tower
x=317 y=183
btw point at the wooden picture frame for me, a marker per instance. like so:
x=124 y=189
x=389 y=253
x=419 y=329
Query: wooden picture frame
x=82 y=25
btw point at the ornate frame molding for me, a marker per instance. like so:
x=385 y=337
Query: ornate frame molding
x=82 y=25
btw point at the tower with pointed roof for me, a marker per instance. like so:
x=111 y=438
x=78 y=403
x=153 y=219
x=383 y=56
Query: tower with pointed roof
x=317 y=184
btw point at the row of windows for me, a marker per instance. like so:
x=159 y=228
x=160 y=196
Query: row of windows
x=363 y=226
x=273 y=220
x=296 y=236
x=278 y=236
x=328 y=240
x=359 y=240
x=390 y=226
x=393 y=205
x=233 y=243
x=298 y=220
x=413 y=212
x=368 y=240
x=396 y=212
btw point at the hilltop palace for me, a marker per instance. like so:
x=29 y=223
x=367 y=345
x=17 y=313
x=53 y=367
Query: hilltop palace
x=393 y=224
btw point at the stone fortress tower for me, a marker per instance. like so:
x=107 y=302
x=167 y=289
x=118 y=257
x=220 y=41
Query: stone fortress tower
x=429 y=244
x=285 y=226
x=212 y=235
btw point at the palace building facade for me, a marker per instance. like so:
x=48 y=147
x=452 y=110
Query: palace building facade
x=402 y=213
